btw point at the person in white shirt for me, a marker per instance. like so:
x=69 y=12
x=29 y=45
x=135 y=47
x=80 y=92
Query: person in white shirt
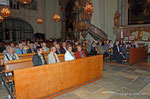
x=69 y=54
x=10 y=55
x=52 y=56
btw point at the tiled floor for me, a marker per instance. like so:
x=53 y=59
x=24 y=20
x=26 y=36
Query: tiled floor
x=118 y=82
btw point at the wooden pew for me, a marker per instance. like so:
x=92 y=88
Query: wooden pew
x=41 y=81
x=137 y=54
x=22 y=56
x=24 y=63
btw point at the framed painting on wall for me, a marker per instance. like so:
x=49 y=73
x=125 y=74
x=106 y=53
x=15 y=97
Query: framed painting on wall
x=138 y=12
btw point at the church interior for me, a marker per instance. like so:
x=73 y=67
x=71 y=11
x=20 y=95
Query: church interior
x=74 y=49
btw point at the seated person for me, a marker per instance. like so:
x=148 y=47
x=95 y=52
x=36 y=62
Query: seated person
x=52 y=56
x=124 y=50
x=63 y=48
x=11 y=55
x=79 y=53
x=39 y=58
x=100 y=48
x=6 y=50
x=58 y=51
x=117 y=54
x=69 y=54
x=20 y=50
x=106 y=47
x=45 y=49
x=31 y=49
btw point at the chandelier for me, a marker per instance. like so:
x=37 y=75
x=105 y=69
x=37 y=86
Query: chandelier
x=89 y=8
x=39 y=21
x=25 y=1
x=5 y=12
x=1 y=19
x=56 y=17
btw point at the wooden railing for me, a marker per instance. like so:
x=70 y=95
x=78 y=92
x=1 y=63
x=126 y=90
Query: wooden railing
x=137 y=54
x=41 y=81
x=96 y=32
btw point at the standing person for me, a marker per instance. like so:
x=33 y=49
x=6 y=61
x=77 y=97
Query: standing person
x=39 y=58
x=106 y=47
x=69 y=54
x=117 y=54
x=52 y=56
x=11 y=55
x=20 y=50
x=63 y=48
x=79 y=53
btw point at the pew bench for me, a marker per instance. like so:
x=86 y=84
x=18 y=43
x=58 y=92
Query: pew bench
x=56 y=78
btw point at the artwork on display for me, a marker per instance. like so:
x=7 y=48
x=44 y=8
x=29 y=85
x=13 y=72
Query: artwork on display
x=131 y=38
x=138 y=12
x=145 y=37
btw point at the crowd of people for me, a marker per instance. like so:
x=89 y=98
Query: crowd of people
x=71 y=48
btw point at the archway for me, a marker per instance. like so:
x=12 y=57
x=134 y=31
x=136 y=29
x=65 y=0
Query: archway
x=15 y=29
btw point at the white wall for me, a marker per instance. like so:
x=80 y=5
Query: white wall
x=104 y=11
x=53 y=29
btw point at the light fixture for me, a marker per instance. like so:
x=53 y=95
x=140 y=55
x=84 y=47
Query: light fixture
x=39 y=21
x=1 y=19
x=89 y=8
x=25 y=1
x=56 y=17
x=148 y=1
x=5 y=12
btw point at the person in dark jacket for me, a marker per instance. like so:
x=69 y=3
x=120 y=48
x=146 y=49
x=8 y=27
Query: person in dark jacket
x=39 y=58
x=117 y=54
x=31 y=49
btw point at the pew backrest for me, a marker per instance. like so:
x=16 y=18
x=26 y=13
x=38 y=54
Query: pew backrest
x=24 y=63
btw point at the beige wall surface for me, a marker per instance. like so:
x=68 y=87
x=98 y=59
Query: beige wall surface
x=104 y=11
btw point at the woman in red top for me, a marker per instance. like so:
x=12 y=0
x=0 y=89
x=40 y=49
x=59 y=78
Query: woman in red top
x=79 y=53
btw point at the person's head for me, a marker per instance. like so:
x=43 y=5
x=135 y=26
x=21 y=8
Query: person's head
x=64 y=44
x=24 y=43
x=54 y=43
x=110 y=41
x=53 y=49
x=39 y=50
x=79 y=48
x=57 y=46
x=100 y=43
x=7 y=48
x=12 y=44
x=36 y=43
x=69 y=48
x=107 y=41
x=132 y=42
x=10 y=50
x=117 y=42
x=20 y=46
x=43 y=44
x=31 y=46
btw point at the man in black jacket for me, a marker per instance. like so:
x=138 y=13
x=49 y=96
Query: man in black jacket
x=39 y=58
x=117 y=54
